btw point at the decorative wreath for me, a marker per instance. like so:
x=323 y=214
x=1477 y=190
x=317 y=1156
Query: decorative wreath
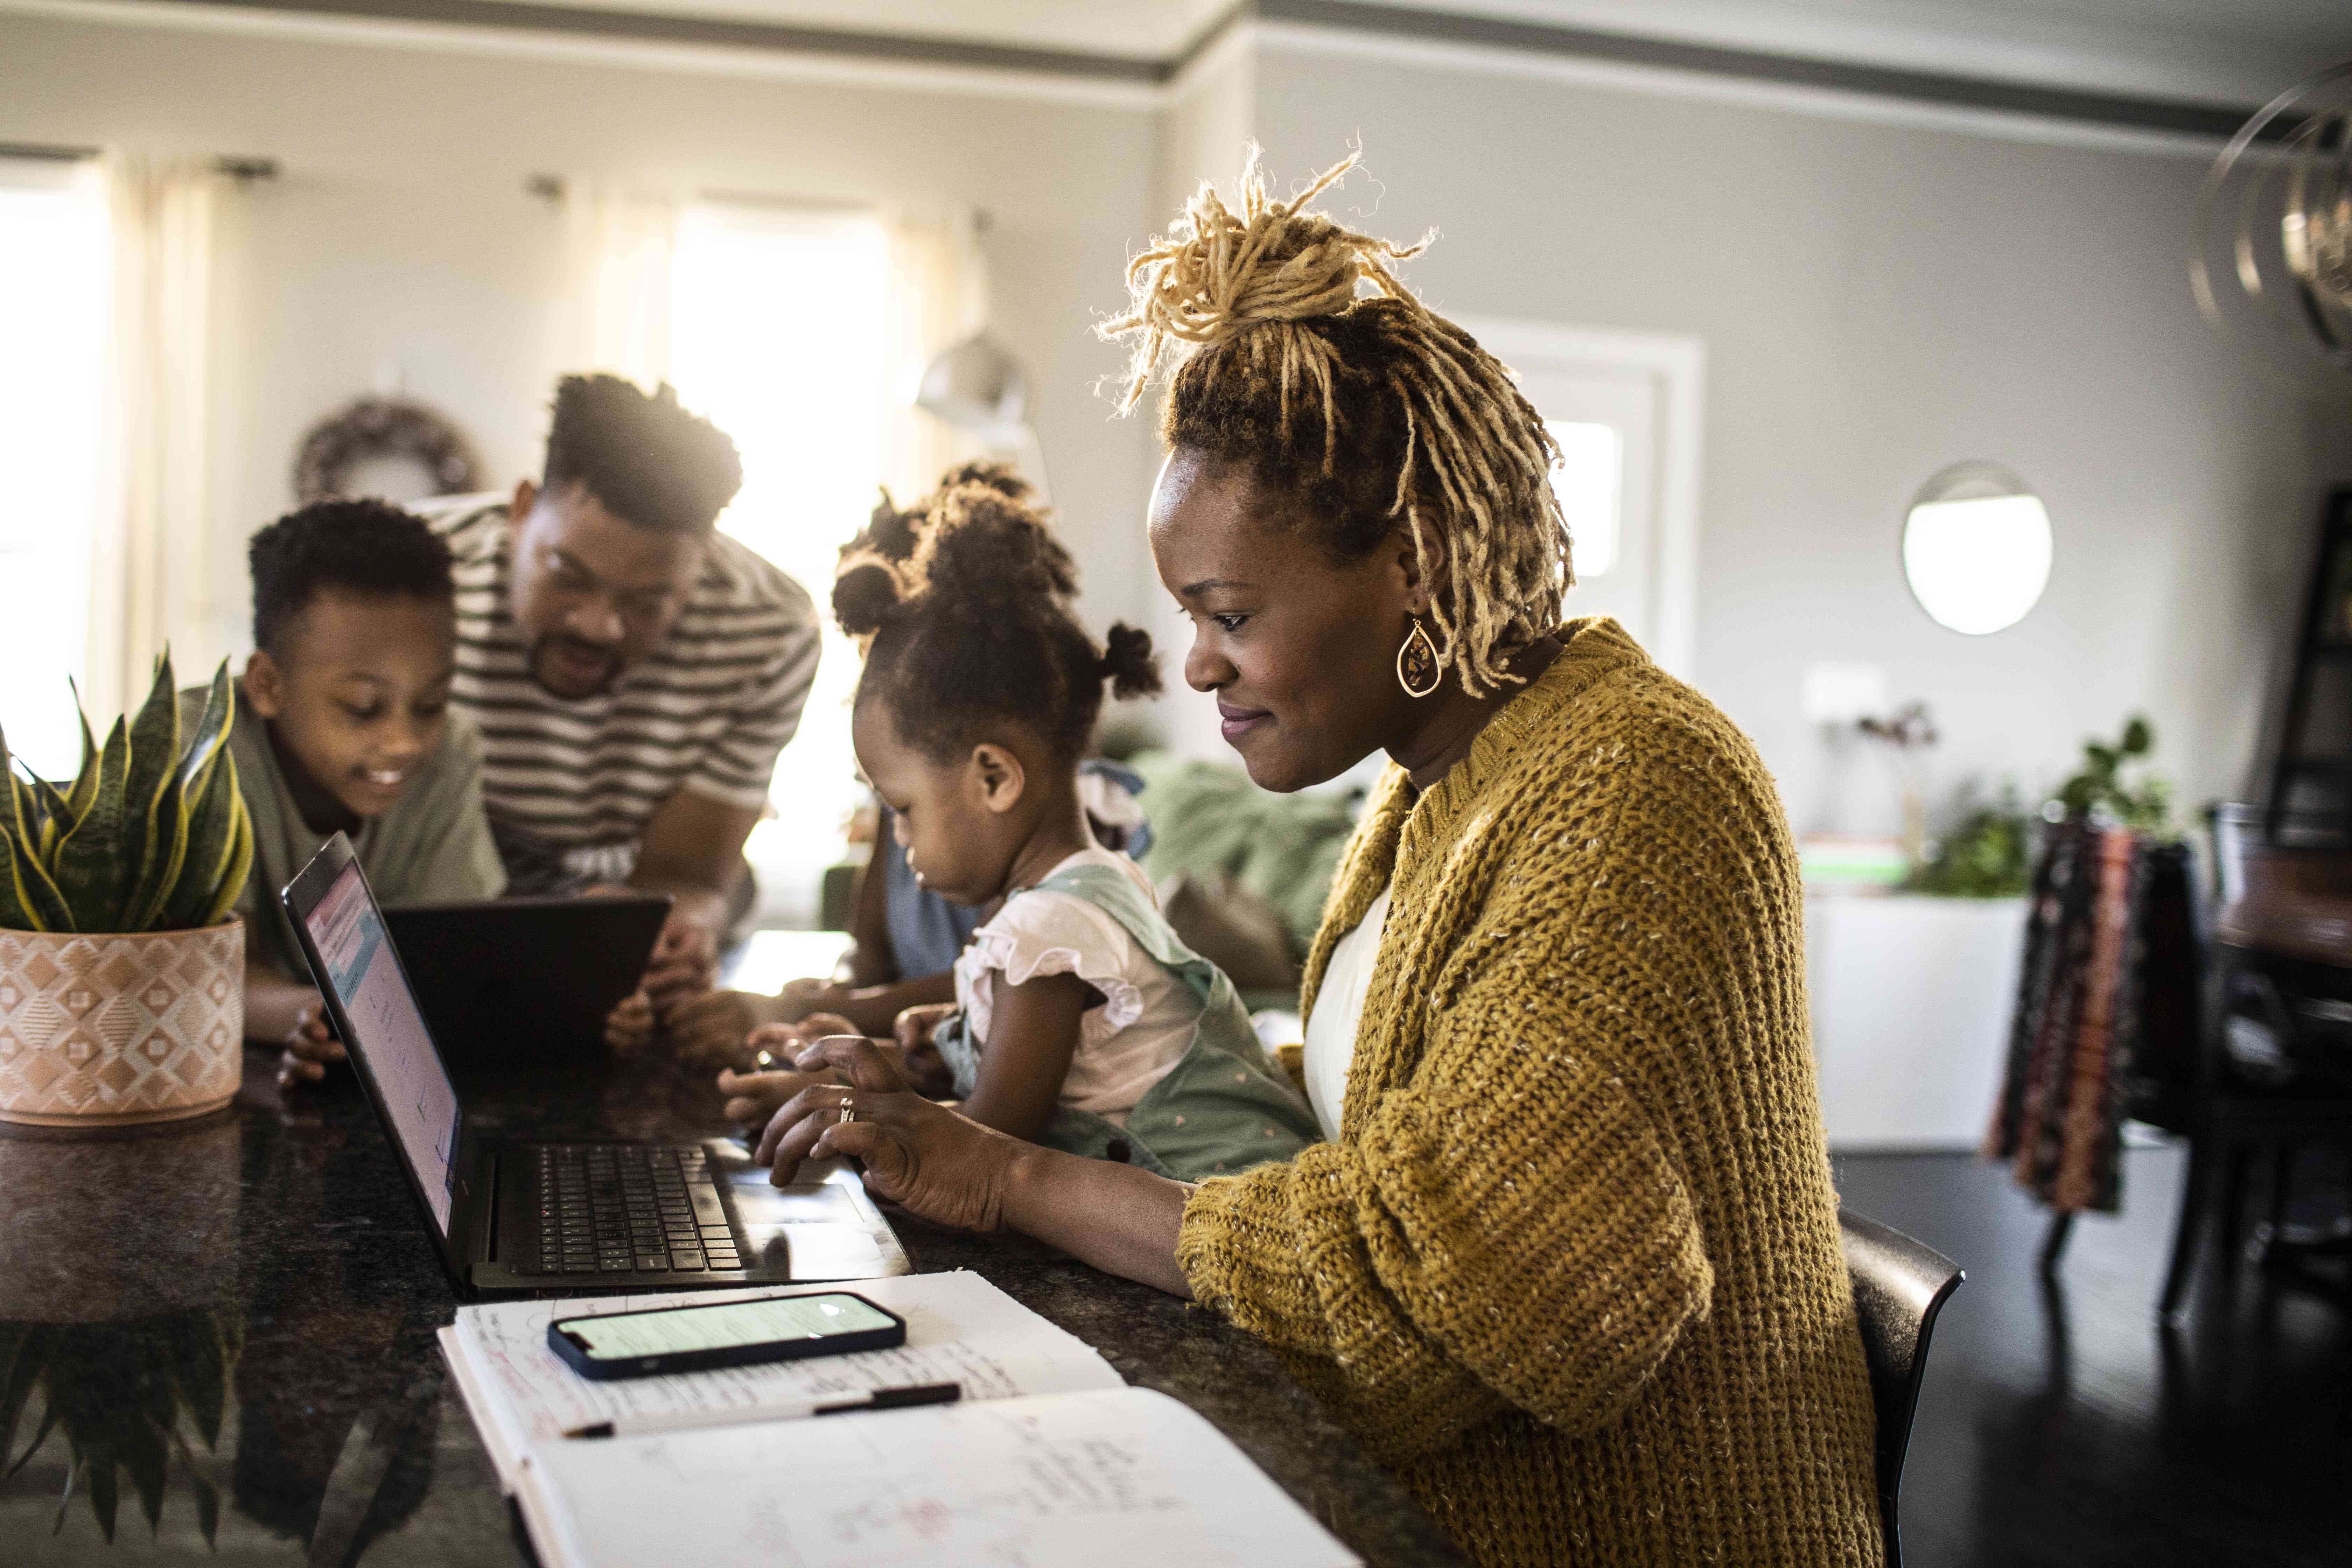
x=383 y=427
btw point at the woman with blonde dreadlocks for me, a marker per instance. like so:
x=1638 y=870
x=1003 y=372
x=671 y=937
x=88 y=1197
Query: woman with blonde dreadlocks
x=1569 y=1260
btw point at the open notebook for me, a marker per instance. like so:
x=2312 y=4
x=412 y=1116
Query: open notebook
x=1051 y=1459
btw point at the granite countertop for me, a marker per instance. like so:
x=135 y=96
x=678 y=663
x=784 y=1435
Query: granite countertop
x=233 y=1321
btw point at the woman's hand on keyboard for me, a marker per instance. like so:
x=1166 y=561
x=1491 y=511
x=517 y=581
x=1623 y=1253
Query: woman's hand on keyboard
x=753 y=1096
x=918 y=1154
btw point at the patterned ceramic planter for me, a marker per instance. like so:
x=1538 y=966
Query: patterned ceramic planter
x=105 y=1030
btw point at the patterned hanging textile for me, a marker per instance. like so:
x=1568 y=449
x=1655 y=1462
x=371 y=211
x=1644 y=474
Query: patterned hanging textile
x=2105 y=1005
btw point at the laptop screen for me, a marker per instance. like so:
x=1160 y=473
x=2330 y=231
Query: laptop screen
x=392 y=1043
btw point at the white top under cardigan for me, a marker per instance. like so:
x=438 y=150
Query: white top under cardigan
x=1339 y=1007
x=1147 y=1017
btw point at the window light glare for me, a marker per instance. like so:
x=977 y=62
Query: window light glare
x=779 y=322
x=1586 y=481
x=1978 y=565
x=52 y=291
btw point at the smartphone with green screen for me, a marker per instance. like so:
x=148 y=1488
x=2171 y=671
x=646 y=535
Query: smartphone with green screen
x=723 y=1334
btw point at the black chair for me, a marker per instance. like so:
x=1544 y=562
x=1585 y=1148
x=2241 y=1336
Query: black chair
x=2272 y=1071
x=1899 y=1285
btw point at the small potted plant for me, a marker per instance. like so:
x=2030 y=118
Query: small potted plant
x=122 y=966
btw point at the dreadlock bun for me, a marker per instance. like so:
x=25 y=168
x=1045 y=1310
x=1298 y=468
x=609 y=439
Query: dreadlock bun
x=1223 y=272
x=963 y=602
x=1128 y=663
x=1290 y=344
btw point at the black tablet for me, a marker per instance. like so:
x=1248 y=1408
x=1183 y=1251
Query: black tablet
x=524 y=982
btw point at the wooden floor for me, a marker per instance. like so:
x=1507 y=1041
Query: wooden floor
x=2063 y=1425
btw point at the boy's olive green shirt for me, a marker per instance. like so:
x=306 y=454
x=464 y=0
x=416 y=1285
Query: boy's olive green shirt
x=433 y=847
x=1572 y=1264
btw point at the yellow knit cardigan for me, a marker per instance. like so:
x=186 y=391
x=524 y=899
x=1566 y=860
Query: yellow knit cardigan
x=1572 y=1267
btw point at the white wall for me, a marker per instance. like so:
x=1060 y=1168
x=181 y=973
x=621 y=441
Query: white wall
x=400 y=234
x=1204 y=134
x=1878 y=301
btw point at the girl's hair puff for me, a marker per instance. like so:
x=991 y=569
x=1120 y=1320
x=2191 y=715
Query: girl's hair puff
x=1290 y=344
x=962 y=605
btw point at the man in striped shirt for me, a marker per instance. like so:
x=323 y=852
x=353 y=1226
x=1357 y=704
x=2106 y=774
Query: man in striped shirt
x=632 y=671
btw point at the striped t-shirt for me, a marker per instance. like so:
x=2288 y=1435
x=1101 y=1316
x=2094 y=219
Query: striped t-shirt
x=569 y=786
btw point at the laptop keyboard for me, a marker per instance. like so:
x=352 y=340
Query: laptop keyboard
x=629 y=1208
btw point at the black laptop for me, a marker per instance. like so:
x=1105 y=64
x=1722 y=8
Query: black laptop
x=524 y=982
x=555 y=1218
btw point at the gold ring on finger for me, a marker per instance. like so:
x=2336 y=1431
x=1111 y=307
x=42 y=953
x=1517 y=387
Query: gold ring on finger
x=848 y=1112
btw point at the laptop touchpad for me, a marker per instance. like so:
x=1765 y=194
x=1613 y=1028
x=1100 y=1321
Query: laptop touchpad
x=758 y=1201
x=813 y=1229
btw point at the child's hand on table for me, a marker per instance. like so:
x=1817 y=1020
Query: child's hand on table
x=310 y=1046
x=919 y=1060
x=710 y=1027
x=915 y=1025
x=801 y=999
x=752 y=1096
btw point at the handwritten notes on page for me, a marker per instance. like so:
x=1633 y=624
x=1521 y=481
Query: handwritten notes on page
x=960 y=1329
x=1073 y=1480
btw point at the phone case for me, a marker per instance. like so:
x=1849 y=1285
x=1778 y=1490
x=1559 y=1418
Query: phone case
x=586 y=1365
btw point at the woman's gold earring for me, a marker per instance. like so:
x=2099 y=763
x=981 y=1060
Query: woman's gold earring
x=1419 y=670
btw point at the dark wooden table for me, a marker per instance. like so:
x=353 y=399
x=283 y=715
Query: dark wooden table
x=222 y=1335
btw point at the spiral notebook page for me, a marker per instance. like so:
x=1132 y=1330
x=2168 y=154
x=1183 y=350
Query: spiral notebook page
x=960 y=1329
x=1069 y=1480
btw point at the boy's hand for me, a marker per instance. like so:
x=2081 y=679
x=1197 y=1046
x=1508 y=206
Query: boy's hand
x=685 y=963
x=630 y=1025
x=310 y=1046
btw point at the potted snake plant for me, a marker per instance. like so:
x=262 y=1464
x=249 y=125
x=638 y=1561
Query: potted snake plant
x=121 y=965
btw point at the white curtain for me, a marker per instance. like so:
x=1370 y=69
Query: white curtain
x=939 y=296
x=619 y=246
x=152 y=569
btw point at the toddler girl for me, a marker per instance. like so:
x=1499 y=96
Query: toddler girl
x=1081 y=1021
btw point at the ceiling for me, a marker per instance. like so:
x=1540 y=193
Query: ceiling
x=2224 y=53
x=2229 y=50
x=1142 y=30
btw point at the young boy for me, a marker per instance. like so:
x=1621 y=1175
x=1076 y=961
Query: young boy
x=343 y=725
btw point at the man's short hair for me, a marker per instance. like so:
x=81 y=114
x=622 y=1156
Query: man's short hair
x=646 y=460
x=367 y=547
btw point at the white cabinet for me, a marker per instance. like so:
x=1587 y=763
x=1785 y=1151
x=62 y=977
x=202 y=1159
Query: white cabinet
x=1911 y=1002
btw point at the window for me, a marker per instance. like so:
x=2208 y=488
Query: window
x=1586 y=481
x=778 y=325
x=53 y=282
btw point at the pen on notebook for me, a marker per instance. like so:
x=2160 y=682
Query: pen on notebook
x=736 y=1415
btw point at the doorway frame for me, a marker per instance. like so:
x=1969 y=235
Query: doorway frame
x=1676 y=364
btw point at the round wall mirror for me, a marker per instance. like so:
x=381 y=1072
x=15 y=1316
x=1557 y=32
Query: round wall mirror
x=1976 y=548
